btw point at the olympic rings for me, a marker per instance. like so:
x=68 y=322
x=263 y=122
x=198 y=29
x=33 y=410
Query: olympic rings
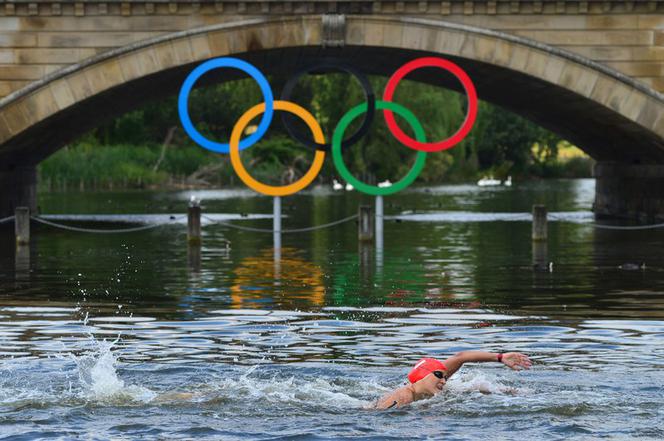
x=188 y=84
x=338 y=143
x=343 y=170
x=368 y=94
x=470 y=114
x=270 y=190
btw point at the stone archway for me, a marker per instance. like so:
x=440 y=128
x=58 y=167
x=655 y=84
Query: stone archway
x=615 y=119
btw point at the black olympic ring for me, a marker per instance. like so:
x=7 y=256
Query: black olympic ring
x=338 y=66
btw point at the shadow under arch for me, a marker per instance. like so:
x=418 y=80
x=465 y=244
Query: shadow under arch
x=609 y=115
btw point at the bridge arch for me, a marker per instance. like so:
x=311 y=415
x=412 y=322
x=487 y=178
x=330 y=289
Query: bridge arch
x=609 y=115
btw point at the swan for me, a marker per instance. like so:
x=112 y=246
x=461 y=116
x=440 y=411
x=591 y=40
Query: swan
x=487 y=182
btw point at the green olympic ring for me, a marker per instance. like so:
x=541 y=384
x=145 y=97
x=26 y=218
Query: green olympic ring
x=338 y=135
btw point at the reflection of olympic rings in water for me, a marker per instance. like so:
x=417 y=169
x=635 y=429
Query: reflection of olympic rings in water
x=338 y=143
x=299 y=280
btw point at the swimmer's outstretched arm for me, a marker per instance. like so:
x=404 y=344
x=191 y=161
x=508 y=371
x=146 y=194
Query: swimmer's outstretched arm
x=513 y=360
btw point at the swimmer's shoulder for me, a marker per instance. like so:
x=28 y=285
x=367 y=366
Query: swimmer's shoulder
x=397 y=398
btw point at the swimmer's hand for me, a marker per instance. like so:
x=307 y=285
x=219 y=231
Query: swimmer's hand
x=516 y=361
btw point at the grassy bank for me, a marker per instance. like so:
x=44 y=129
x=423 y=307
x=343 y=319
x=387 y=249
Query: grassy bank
x=129 y=166
x=88 y=166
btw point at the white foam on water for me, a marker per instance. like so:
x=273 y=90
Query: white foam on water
x=476 y=381
x=16 y=390
x=38 y=309
x=99 y=379
x=52 y=381
x=297 y=392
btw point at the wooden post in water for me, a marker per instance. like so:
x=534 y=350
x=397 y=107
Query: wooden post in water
x=539 y=223
x=365 y=229
x=22 y=225
x=194 y=257
x=22 y=263
x=194 y=222
x=22 y=233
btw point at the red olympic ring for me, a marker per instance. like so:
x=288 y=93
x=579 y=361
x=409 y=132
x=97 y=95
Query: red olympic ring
x=471 y=113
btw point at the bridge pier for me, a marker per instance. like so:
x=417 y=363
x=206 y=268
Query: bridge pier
x=629 y=191
x=18 y=188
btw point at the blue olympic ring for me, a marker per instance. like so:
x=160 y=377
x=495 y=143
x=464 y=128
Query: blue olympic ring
x=236 y=63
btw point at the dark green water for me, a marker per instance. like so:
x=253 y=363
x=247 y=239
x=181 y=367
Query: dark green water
x=297 y=345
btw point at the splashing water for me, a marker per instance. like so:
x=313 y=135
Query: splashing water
x=99 y=379
x=49 y=382
x=293 y=392
x=483 y=382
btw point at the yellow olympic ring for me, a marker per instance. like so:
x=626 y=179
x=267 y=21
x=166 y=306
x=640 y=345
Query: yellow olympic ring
x=270 y=190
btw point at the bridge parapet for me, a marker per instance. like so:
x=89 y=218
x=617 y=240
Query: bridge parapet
x=129 y=7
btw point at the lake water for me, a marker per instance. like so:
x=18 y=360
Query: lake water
x=99 y=332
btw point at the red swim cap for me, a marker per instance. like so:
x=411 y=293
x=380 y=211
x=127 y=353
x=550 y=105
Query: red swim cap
x=423 y=368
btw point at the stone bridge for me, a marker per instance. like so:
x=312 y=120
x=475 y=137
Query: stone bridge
x=592 y=71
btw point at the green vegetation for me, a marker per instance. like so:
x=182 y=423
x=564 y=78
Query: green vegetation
x=148 y=147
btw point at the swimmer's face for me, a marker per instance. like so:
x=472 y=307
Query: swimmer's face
x=433 y=383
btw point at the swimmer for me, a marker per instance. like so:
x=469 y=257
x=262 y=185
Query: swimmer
x=428 y=376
